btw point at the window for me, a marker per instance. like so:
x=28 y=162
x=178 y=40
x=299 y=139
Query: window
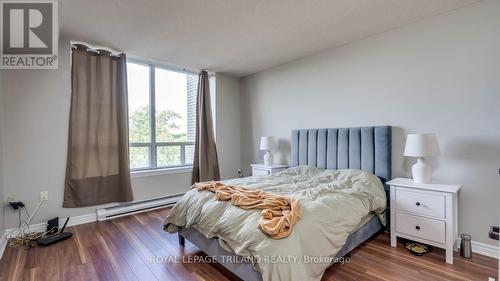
x=162 y=116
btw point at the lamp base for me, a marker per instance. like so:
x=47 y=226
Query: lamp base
x=268 y=159
x=421 y=171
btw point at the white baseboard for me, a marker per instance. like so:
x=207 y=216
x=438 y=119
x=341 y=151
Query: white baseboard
x=80 y=219
x=486 y=249
x=483 y=249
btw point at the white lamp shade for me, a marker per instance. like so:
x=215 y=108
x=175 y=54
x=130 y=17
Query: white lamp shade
x=421 y=145
x=266 y=143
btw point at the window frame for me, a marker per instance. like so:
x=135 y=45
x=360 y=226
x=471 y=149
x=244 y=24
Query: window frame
x=153 y=144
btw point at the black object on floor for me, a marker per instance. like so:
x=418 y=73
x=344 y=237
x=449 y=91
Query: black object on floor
x=53 y=225
x=54 y=238
x=494 y=232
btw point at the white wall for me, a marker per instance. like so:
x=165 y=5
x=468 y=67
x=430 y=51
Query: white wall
x=441 y=75
x=228 y=125
x=36 y=111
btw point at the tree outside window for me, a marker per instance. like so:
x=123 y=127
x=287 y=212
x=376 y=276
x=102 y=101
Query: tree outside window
x=161 y=116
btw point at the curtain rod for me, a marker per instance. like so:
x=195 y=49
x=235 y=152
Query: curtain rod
x=95 y=50
x=140 y=60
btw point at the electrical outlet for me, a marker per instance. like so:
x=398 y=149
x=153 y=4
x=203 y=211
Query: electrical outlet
x=44 y=195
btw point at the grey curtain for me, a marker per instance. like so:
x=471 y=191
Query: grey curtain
x=205 y=164
x=97 y=169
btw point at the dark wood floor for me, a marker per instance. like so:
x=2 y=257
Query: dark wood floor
x=120 y=249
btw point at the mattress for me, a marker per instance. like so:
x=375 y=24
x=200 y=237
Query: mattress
x=369 y=226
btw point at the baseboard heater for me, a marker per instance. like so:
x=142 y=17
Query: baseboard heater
x=136 y=207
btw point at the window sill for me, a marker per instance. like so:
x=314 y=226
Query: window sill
x=160 y=172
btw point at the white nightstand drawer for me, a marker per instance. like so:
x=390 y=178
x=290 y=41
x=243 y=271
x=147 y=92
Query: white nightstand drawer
x=432 y=205
x=429 y=229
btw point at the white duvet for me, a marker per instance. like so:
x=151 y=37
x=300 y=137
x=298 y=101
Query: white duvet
x=333 y=202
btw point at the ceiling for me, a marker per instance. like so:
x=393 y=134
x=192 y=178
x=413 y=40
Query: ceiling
x=236 y=37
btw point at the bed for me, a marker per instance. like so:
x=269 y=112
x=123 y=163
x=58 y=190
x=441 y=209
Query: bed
x=365 y=148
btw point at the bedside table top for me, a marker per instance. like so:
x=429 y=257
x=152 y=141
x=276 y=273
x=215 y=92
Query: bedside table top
x=261 y=165
x=426 y=186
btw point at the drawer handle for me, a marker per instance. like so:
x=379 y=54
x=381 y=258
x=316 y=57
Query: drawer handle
x=418 y=204
x=417 y=227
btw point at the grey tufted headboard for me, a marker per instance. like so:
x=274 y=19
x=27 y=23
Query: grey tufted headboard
x=365 y=148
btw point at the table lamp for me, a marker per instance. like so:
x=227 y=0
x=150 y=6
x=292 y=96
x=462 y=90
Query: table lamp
x=267 y=144
x=421 y=146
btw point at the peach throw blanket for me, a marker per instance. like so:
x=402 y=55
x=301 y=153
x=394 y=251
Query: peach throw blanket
x=279 y=213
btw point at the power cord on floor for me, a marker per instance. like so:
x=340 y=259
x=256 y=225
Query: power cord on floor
x=22 y=236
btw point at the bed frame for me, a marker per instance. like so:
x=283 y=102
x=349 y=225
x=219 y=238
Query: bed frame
x=365 y=148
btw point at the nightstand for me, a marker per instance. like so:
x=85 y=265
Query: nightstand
x=262 y=170
x=425 y=213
